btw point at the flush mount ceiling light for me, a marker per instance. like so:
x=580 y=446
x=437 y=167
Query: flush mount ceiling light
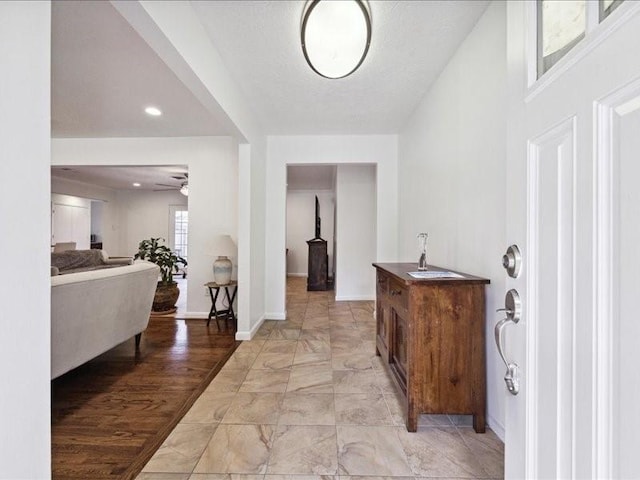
x=153 y=111
x=335 y=36
x=184 y=189
x=136 y=184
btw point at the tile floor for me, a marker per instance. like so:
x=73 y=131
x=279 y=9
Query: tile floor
x=307 y=397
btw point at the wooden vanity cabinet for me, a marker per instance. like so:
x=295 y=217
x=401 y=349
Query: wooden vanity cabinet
x=431 y=336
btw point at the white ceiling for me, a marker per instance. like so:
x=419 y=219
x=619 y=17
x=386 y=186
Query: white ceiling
x=411 y=43
x=310 y=177
x=104 y=74
x=122 y=178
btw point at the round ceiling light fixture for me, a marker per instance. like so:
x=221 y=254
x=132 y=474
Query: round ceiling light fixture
x=153 y=111
x=184 y=189
x=335 y=36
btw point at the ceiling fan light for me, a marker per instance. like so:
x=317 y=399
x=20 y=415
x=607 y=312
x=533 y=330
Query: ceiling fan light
x=335 y=36
x=184 y=190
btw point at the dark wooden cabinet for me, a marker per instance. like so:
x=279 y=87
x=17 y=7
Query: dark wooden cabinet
x=431 y=336
x=318 y=266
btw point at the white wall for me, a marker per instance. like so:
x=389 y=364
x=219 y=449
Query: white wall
x=71 y=220
x=356 y=232
x=451 y=174
x=251 y=238
x=110 y=233
x=97 y=219
x=145 y=214
x=25 y=364
x=379 y=150
x=301 y=219
x=213 y=189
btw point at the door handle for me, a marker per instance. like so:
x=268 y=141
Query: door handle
x=513 y=310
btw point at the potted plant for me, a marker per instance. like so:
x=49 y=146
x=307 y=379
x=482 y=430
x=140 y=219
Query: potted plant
x=167 y=292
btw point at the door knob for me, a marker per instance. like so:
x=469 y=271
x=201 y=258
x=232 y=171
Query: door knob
x=513 y=311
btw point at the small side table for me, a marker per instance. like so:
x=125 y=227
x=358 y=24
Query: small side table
x=228 y=313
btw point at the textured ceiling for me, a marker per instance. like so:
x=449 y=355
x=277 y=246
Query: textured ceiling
x=104 y=74
x=411 y=43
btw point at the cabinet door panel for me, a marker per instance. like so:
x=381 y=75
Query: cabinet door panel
x=399 y=346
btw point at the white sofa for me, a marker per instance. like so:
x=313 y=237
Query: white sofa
x=92 y=312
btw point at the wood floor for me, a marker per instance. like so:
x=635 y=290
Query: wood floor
x=111 y=414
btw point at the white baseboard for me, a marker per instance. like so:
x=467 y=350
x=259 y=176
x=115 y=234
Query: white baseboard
x=496 y=426
x=194 y=315
x=297 y=274
x=276 y=316
x=248 y=335
x=354 y=298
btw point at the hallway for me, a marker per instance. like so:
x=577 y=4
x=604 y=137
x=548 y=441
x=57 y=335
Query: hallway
x=308 y=396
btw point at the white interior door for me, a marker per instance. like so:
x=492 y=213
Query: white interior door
x=574 y=210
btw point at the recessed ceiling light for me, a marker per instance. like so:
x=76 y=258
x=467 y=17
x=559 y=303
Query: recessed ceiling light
x=136 y=184
x=153 y=111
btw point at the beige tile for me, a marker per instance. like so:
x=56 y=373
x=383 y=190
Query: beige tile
x=237 y=449
x=241 y=360
x=181 y=450
x=284 y=334
x=397 y=408
x=487 y=448
x=355 y=381
x=300 y=477
x=304 y=450
x=307 y=409
x=254 y=408
x=225 y=476
x=227 y=380
x=368 y=477
x=209 y=408
x=279 y=346
x=163 y=476
x=265 y=381
x=268 y=325
x=386 y=382
x=261 y=334
x=439 y=452
x=250 y=346
x=349 y=361
x=361 y=409
x=315 y=334
x=315 y=378
x=371 y=451
x=315 y=322
x=274 y=361
x=313 y=346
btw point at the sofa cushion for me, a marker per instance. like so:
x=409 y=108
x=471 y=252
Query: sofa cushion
x=75 y=259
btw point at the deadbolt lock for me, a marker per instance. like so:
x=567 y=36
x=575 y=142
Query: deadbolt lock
x=512 y=261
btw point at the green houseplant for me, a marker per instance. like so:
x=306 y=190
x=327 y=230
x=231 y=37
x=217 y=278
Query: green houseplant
x=167 y=292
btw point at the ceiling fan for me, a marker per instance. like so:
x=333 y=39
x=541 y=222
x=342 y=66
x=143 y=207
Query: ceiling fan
x=183 y=187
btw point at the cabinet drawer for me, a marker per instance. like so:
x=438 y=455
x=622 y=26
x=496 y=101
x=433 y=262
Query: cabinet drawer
x=398 y=294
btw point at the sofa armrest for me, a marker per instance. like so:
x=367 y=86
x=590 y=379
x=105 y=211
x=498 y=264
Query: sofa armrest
x=118 y=261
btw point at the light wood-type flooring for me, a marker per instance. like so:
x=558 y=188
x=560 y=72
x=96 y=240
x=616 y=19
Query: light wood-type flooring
x=110 y=415
x=308 y=398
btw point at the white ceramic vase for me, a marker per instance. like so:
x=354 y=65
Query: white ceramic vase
x=222 y=268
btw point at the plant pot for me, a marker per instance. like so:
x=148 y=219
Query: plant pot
x=165 y=298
